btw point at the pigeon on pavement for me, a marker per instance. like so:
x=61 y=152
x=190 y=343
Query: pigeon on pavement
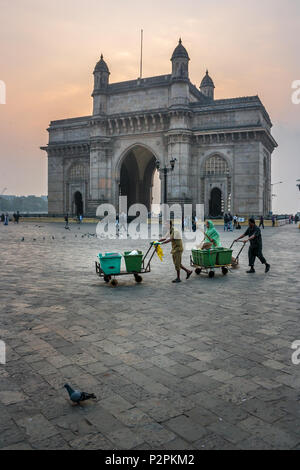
x=77 y=396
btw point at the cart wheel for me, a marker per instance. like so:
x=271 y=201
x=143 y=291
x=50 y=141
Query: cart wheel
x=138 y=278
x=211 y=274
x=107 y=278
x=224 y=271
x=114 y=283
x=198 y=271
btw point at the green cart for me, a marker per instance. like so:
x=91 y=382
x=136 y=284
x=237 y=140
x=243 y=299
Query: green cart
x=108 y=266
x=207 y=261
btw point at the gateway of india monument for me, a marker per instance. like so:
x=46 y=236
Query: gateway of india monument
x=222 y=147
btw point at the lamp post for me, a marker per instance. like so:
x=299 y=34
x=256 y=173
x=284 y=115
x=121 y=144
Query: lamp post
x=273 y=184
x=165 y=172
x=279 y=182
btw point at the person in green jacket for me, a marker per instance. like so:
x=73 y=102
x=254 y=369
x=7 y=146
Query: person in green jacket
x=212 y=236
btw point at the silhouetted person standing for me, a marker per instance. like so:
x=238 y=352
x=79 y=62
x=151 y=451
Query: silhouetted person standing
x=255 y=248
x=273 y=220
x=226 y=221
x=261 y=222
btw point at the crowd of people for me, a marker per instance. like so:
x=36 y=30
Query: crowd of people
x=294 y=218
x=5 y=218
x=231 y=222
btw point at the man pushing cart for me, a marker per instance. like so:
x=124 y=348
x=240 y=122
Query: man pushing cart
x=177 y=249
x=255 y=248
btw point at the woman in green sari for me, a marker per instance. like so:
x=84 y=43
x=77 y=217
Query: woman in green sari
x=212 y=235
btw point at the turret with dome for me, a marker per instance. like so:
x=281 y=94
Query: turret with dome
x=207 y=86
x=180 y=62
x=101 y=74
x=101 y=82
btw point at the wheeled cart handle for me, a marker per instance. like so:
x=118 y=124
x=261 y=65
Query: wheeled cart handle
x=239 y=241
x=234 y=241
x=154 y=246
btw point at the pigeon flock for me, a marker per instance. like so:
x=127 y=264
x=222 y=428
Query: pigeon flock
x=85 y=235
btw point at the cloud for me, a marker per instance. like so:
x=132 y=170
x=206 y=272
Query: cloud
x=48 y=51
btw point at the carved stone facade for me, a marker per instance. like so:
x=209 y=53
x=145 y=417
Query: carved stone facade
x=222 y=148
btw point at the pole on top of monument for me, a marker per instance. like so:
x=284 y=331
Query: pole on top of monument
x=141 y=62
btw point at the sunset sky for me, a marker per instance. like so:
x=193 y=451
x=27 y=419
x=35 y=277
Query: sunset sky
x=48 y=51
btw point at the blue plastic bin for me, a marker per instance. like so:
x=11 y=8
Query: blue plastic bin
x=110 y=263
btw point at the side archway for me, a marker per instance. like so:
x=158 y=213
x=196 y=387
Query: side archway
x=76 y=189
x=216 y=185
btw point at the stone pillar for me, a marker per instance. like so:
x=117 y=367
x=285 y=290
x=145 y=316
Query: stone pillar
x=194 y=181
x=247 y=188
x=179 y=93
x=268 y=186
x=100 y=165
x=100 y=173
x=55 y=184
x=179 y=147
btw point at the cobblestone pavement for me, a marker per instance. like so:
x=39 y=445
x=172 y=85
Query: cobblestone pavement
x=205 y=364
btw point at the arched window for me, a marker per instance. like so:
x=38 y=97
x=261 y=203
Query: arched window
x=77 y=172
x=216 y=165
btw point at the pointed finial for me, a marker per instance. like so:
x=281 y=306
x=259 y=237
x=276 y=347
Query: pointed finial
x=180 y=41
x=101 y=56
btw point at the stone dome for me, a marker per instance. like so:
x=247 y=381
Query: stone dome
x=180 y=51
x=207 y=81
x=101 y=66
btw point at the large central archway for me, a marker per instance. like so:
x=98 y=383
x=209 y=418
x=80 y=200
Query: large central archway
x=137 y=177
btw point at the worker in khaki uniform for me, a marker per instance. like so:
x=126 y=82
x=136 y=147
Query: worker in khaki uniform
x=177 y=250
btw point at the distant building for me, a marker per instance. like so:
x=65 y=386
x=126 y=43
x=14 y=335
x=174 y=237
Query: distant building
x=223 y=147
x=8 y=197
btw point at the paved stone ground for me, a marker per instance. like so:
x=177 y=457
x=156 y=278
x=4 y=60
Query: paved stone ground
x=205 y=364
